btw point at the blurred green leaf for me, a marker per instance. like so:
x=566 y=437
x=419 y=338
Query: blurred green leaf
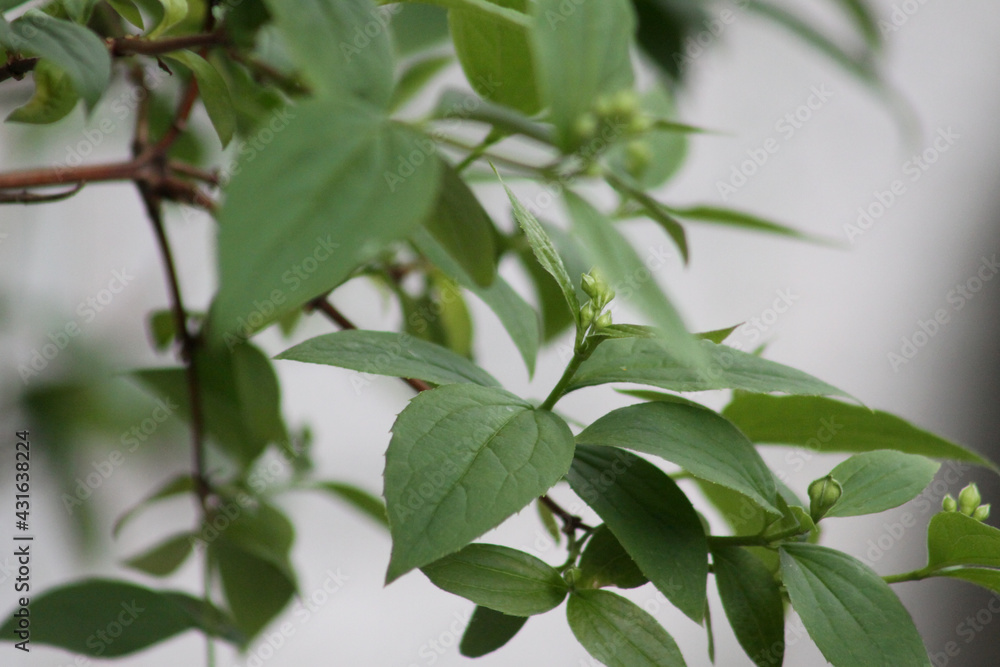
x=53 y=99
x=604 y=562
x=489 y=630
x=752 y=601
x=164 y=558
x=213 y=90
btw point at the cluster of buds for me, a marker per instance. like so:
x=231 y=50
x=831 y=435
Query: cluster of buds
x=823 y=495
x=967 y=503
x=613 y=117
x=600 y=294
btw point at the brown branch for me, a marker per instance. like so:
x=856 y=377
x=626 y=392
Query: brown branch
x=571 y=522
x=130 y=46
x=185 y=169
x=321 y=304
x=16 y=68
x=27 y=197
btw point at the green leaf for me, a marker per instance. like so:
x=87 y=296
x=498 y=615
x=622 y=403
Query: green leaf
x=240 y=398
x=956 y=539
x=646 y=510
x=618 y=632
x=605 y=562
x=650 y=361
x=213 y=90
x=416 y=27
x=165 y=557
x=173 y=12
x=655 y=211
x=82 y=617
x=488 y=630
x=664 y=28
x=517 y=317
x=461 y=460
x=500 y=578
x=753 y=604
x=463 y=227
x=341 y=46
x=297 y=222
x=74 y=49
x=629 y=276
x=53 y=99
x=695 y=438
x=827 y=425
x=581 y=53
x=545 y=252
x=848 y=610
x=79 y=10
x=388 y=353
x=986 y=578
x=439 y=315
x=252 y=559
x=413 y=79
x=718 y=336
x=548 y=520
x=496 y=56
x=730 y=217
x=128 y=11
x=174 y=487
x=467 y=107
x=667 y=149
x=880 y=480
x=363 y=501
x=162 y=328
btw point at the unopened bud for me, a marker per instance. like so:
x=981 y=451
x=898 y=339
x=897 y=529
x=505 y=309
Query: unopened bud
x=638 y=155
x=949 y=504
x=624 y=103
x=588 y=313
x=572 y=576
x=969 y=499
x=982 y=513
x=823 y=495
x=585 y=126
x=639 y=123
x=603 y=321
x=589 y=285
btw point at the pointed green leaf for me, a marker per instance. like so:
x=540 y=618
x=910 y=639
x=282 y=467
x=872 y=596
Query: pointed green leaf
x=128 y=11
x=77 y=617
x=956 y=539
x=619 y=632
x=341 y=46
x=605 y=562
x=655 y=211
x=53 y=99
x=848 y=610
x=416 y=27
x=361 y=500
x=298 y=221
x=461 y=460
x=650 y=361
x=496 y=56
x=695 y=438
x=581 y=53
x=880 y=480
x=753 y=604
x=463 y=227
x=545 y=252
x=76 y=50
x=646 y=510
x=389 y=353
x=255 y=588
x=630 y=277
x=173 y=12
x=165 y=557
x=500 y=578
x=985 y=578
x=517 y=317
x=827 y=425
x=730 y=217
x=488 y=630
x=213 y=91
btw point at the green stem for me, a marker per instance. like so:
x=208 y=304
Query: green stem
x=754 y=540
x=560 y=389
x=915 y=575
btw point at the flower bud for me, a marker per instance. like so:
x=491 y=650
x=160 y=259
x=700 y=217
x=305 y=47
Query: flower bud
x=982 y=513
x=624 y=103
x=573 y=576
x=603 y=321
x=585 y=126
x=948 y=504
x=602 y=106
x=823 y=495
x=588 y=313
x=589 y=285
x=638 y=155
x=639 y=123
x=969 y=499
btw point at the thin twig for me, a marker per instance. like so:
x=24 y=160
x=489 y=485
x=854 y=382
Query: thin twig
x=128 y=46
x=16 y=68
x=27 y=197
x=571 y=522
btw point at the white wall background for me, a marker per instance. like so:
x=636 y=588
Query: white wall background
x=852 y=309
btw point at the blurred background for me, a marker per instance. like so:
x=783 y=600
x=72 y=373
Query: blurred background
x=854 y=320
